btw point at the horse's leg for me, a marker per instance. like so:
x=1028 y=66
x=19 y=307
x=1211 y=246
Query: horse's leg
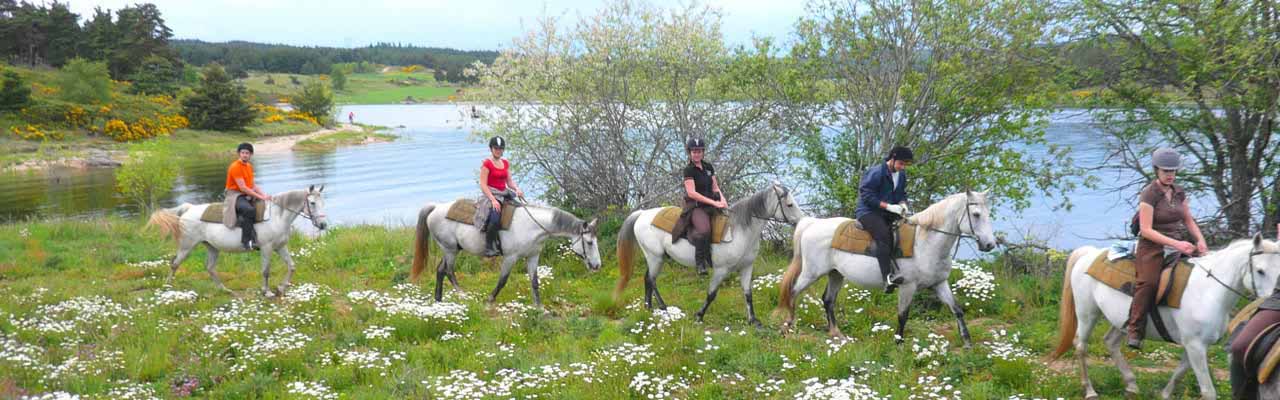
x=283 y=251
x=802 y=282
x=183 y=253
x=1113 y=341
x=905 y=293
x=717 y=277
x=744 y=275
x=507 y=263
x=446 y=264
x=651 y=280
x=944 y=293
x=210 y=264
x=1196 y=355
x=265 y=252
x=532 y=265
x=834 y=281
x=1182 y=368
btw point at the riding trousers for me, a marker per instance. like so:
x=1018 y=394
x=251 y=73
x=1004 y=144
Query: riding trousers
x=245 y=216
x=879 y=227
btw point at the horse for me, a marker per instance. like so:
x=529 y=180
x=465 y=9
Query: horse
x=747 y=218
x=943 y=224
x=530 y=227
x=184 y=225
x=1219 y=278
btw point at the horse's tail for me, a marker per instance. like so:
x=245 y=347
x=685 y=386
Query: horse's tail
x=626 y=251
x=1067 y=308
x=167 y=219
x=785 y=301
x=421 y=246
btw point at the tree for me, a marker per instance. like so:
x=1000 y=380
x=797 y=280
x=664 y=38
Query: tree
x=148 y=174
x=958 y=82
x=142 y=33
x=601 y=108
x=156 y=75
x=338 y=77
x=316 y=100
x=1203 y=77
x=15 y=93
x=218 y=103
x=84 y=81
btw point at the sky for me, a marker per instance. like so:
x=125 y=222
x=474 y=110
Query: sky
x=460 y=24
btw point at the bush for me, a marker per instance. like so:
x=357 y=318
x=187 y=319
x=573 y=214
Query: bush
x=156 y=75
x=339 y=78
x=316 y=100
x=15 y=93
x=219 y=103
x=86 y=82
x=148 y=175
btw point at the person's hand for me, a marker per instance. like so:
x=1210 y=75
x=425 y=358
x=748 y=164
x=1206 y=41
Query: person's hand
x=895 y=208
x=1185 y=247
x=722 y=204
x=266 y=197
x=1201 y=248
x=519 y=193
x=496 y=204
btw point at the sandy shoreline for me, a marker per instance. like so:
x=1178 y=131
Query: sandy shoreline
x=99 y=158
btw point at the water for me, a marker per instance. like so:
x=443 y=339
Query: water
x=435 y=160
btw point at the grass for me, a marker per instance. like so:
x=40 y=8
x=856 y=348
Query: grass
x=391 y=87
x=128 y=331
x=341 y=138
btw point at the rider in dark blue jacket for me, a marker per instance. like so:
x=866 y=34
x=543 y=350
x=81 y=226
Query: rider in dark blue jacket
x=882 y=197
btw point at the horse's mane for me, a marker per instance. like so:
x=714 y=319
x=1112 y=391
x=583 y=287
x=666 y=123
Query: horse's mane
x=741 y=211
x=936 y=215
x=561 y=220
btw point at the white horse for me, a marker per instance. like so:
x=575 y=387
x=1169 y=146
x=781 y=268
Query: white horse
x=747 y=218
x=530 y=227
x=1219 y=279
x=184 y=224
x=940 y=226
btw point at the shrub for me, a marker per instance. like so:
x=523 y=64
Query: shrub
x=84 y=81
x=14 y=92
x=315 y=100
x=219 y=103
x=148 y=174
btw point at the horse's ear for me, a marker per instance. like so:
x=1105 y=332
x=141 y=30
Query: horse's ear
x=1257 y=240
x=311 y=189
x=321 y=188
x=590 y=225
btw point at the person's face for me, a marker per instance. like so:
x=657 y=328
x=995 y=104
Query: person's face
x=696 y=154
x=1166 y=176
x=899 y=165
x=245 y=155
x=496 y=151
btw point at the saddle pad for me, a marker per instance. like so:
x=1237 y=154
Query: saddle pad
x=666 y=221
x=1120 y=275
x=464 y=211
x=213 y=213
x=850 y=237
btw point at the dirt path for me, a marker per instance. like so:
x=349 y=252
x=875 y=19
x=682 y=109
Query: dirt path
x=285 y=143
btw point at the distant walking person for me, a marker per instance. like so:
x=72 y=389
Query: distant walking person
x=351 y=117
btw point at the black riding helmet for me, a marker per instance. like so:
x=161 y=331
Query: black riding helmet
x=244 y=146
x=695 y=143
x=900 y=153
x=498 y=141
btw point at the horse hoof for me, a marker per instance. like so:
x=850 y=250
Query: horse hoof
x=268 y=293
x=756 y=323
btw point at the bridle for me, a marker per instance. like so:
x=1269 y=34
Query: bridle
x=1253 y=282
x=582 y=232
x=306 y=212
x=777 y=206
x=958 y=234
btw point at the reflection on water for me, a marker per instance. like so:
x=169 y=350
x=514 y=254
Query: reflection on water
x=435 y=160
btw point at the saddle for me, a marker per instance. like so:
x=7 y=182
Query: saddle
x=464 y=211
x=850 y=237
x=213 y=213
x=1121 y=274
x=1262 y=355
x=666 y=221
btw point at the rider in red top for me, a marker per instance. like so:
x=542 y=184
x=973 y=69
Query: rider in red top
x=496 y=184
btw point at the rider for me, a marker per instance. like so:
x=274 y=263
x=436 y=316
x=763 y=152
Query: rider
x=882 y=198
x=702 y=200
x=1164 y=220
x=1242 y=386
x=497 y=186
x=237 y=206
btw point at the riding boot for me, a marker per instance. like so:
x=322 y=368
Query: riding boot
x=1137 y=332
x=702 y=255
x=891 y=280
x=1242 y=388
x=492 y=242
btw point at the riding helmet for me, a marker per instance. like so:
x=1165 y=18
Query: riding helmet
x=901 y=153
x=695 y=143
x=245 y=146
x=498 y=142
x=1166 y=158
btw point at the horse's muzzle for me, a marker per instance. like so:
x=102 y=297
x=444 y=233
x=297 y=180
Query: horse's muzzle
x=985 y=247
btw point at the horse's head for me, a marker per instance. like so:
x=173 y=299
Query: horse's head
x=976 y=221
x=1264 y=260
x=585 y=245
x=783 y=206
x=314 y=207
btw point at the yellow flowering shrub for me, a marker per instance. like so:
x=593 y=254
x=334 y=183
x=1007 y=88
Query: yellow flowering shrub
x=77 y=117
x=411 y=69
x=32 y=132
x=273 y=118
x=301 y=116
x=144 y=128
x=161 y=100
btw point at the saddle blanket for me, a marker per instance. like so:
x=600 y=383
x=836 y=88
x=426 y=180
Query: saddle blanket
x=720 y=232
x=464 y=211
x=1120 y=275
x=213 y=213
x=850 y=237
